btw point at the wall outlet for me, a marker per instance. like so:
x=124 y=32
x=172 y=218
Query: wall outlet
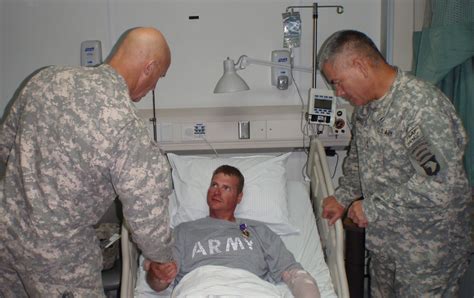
x=165 y=132
x=193 y=131
x=244 y=129
x=199 y=129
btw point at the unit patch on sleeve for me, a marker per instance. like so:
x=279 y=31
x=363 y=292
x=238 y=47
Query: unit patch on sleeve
x=422 y=155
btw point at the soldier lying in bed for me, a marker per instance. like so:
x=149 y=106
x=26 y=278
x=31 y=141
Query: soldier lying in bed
x=221 y=239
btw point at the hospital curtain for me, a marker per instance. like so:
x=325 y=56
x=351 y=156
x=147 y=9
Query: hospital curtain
x=444 y=55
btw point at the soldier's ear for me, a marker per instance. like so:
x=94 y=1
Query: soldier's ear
x=361 y=65
x=239 y=197
x=150 y=67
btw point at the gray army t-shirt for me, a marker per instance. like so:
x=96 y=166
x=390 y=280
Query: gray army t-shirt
x=211 y=241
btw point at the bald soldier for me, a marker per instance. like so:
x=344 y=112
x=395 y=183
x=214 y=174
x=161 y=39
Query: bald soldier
x=71 y=143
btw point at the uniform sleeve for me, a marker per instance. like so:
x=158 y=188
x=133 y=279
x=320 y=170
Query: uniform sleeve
x=178 y=250
x=8 y=130
x=435 y=143
x=277 y=256
x=10 y=121
x=349 y=184
x=141 y=177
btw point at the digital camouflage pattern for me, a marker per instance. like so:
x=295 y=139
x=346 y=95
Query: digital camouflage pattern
x=405 y=159
x=71 y=143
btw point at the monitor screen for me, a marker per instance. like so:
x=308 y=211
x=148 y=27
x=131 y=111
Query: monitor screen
x=322 y=104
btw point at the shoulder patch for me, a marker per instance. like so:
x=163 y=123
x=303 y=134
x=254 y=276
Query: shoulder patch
x=413 y=136
x=421 y=153
x=431 y=166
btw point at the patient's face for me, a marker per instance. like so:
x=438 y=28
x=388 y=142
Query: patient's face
x=223 y=196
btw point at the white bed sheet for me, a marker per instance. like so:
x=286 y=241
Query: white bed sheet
x=305 y=246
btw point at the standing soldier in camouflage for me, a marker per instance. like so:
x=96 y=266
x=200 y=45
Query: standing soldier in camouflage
x=405 y=160
x=71 y=143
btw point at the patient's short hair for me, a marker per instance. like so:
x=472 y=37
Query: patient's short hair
x=231 y=171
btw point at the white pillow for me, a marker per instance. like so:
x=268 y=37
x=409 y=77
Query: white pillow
x=264 y=196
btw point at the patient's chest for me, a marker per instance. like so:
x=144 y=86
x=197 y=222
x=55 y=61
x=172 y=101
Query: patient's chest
x=219 y=243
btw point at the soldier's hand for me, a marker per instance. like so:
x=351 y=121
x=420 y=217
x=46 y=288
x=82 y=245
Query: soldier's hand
x=332 y=209
x=165 y=272
x=356 y=213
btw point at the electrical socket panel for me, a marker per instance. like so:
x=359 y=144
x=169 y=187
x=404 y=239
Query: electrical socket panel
x=165 y=132
x=193 y=131
x=199 y=129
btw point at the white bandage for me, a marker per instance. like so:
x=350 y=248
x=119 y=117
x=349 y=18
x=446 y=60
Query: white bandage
x=301 y=283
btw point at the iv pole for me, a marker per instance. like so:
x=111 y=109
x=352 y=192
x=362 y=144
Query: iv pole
x=315 y=7
x=340 y=9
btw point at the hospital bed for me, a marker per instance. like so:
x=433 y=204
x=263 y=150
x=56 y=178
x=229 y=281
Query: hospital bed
x=317 y=246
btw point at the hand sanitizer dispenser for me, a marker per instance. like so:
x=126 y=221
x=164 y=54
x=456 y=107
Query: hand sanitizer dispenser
x=281 y=77
x=91 y=53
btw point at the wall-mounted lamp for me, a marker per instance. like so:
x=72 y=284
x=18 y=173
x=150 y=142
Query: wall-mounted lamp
x=232 y=82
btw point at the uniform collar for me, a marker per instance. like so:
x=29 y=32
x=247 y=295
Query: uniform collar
x=378 y=109
x=108 y=68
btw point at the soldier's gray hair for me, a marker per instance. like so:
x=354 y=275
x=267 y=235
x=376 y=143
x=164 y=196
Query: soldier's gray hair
x=348 y=42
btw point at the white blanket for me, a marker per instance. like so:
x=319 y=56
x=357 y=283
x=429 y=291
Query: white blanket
x=219 y=281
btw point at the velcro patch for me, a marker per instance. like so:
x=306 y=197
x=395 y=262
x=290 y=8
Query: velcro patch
x=421 y=152
x=431 y=167
x=413 y=135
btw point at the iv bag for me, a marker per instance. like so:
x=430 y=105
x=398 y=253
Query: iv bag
x=291 y=29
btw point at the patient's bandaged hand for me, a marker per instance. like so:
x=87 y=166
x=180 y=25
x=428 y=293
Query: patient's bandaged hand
x=301 y=283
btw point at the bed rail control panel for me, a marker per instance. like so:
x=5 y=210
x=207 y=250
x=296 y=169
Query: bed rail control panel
x=321 y=106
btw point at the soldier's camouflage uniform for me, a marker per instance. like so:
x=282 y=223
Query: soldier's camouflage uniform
x=405 y=159
x=72 y=142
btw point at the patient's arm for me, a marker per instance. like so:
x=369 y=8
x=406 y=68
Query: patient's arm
x=160 y=275
x=301 y=283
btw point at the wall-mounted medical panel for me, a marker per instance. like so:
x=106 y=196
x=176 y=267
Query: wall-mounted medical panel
x=218 y=128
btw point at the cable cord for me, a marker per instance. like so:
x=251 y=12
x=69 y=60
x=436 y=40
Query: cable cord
x=210 y=145
x=305 y=127
x=335 y=167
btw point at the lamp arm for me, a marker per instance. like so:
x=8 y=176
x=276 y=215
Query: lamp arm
x=241 y=63
x=244 y=61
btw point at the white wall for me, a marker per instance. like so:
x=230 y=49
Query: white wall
x=36 y=33
x=403 y=37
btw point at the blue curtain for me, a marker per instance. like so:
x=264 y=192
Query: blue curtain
x=444 y=55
